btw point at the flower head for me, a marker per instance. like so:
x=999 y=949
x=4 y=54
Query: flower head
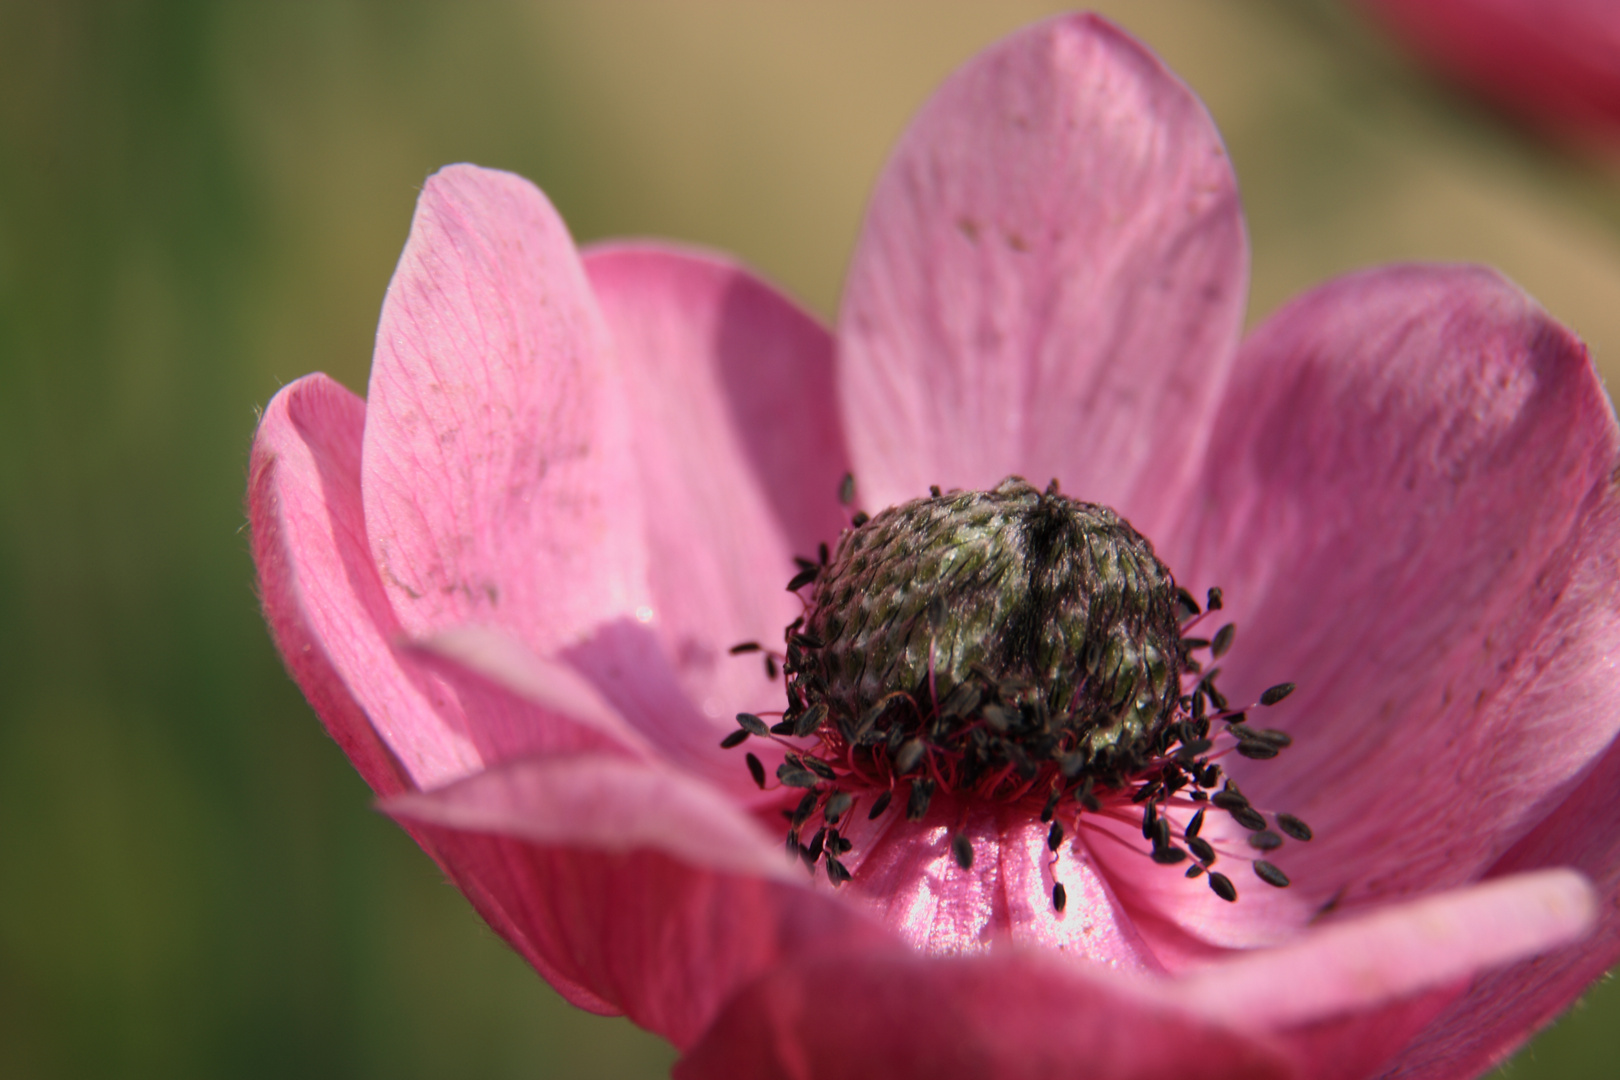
x=513 y=582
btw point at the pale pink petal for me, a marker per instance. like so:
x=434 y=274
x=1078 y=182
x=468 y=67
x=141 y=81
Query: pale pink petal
x=884 y=1015
x=906 y=874
x=636 y=931
x=402 y=722
x=498 y=482
x=1050 y=282
x=740 y=453
x=1556 y=62
x=1398 y=502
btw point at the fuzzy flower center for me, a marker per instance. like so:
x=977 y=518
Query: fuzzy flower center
x=1011 y=646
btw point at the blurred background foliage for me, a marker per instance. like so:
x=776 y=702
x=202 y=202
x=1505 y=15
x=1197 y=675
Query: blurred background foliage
x=200 y=201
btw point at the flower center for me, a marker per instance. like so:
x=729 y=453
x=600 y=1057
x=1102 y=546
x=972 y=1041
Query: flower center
x=1012 y=646
x=1002 y=633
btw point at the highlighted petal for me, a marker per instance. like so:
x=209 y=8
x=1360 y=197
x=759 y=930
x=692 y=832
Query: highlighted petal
x=499 y=487
x=1050 y=281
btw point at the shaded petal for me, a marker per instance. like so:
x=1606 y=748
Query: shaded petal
x=664 y=941
x=740 y=452
x=1050 y=282
x=498 y=482
x=1397 y=502
x=402 y=722
x=1011 y=1016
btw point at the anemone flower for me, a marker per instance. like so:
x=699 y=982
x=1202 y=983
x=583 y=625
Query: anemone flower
x=1554 y=63
x=1009 y=781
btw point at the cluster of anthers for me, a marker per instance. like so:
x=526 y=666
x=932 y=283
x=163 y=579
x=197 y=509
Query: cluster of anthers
x=1018 y=647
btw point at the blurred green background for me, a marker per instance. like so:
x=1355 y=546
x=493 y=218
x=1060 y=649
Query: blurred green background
x=200 y=201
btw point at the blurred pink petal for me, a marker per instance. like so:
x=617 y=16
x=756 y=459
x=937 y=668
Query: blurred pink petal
x=1555 y=63
x=511 y=583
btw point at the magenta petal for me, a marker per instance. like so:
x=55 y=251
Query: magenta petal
x=1397 y=504
x=497 y=472
x=637 y=890
x=894 y=1015
x=1050 y=282
x=740 y=452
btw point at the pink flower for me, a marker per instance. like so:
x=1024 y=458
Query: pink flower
x=508 y=579
x=1555 y=63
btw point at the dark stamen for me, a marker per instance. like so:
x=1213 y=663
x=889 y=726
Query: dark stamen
x=1276 y=693
x=1265 y=840
x=1060 y=897
x=1223 y=886
x=736 y=738
x=962 y=849
x=1269 y=874
x=755 y=769
x=1294 y=827
x=880 y=805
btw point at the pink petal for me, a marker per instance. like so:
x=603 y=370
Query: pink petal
x=1397 y=503
x=497 y=481
x=637 y=890
x=740 y=452
x=886 y=1015
x=1552 y=61
x=1050 y=282
x=401 y=722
